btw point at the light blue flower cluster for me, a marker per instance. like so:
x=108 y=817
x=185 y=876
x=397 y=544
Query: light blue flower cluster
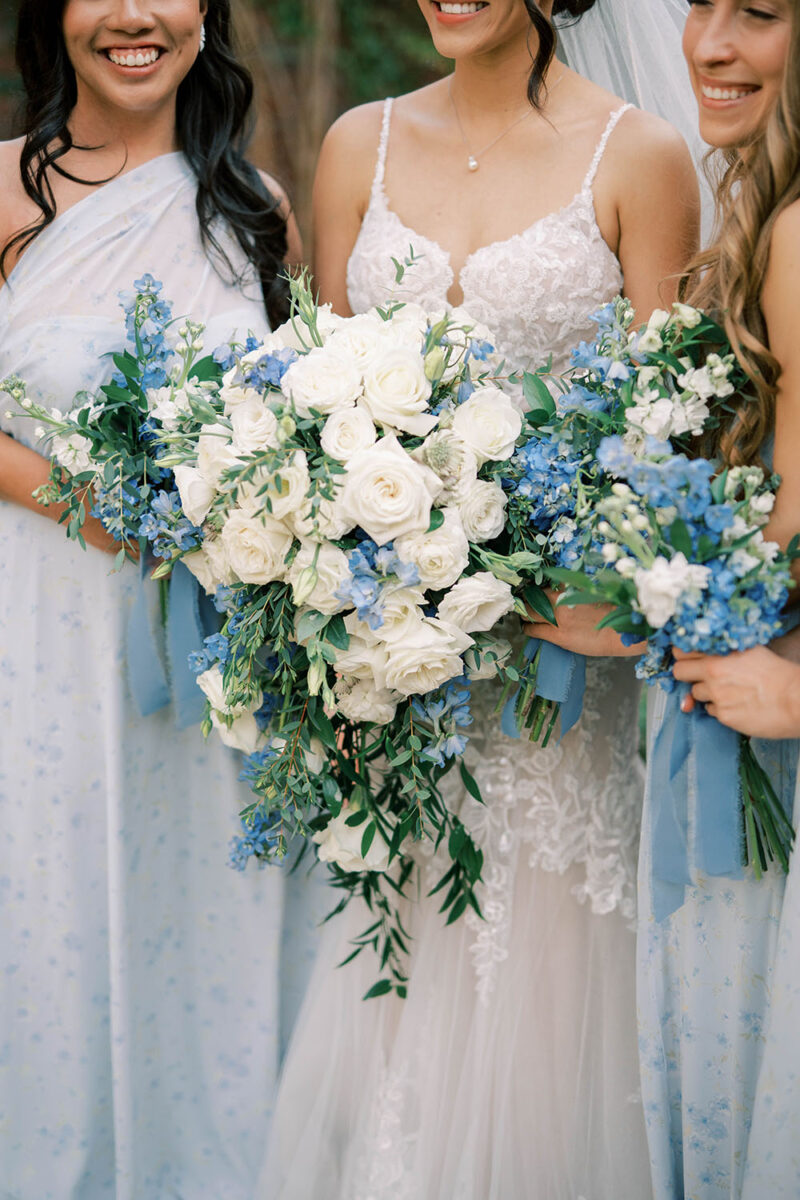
x=269 y=370
x=166 y=526
x=541 y=480
x=446 y=711
x=147 y=317
x=373 y=569
x=262 y=833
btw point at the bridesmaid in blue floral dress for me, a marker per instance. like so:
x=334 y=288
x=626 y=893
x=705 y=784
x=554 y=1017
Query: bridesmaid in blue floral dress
x=708 y=972
x=139 y=977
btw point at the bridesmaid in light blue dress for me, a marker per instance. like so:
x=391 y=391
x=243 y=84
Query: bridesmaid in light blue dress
x=140 y=998
x=709 y=971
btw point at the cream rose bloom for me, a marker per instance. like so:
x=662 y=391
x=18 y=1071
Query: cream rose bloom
x=397 y=391
x=255 y=426
x=243 y=733
x=256 y=546
x=425 y=661
x=322 y=380
x=441 y=556
x=488 y=423
x=482 y=508
x=361 y=339
x=476 y=603
x=211 y=685
x=215 y=453
x=402 y=612
x=330 y=522
x=346 y=432
x=196 y=494
x=328 y=575
x=340 y=843
x=358 y=700
x=200 y=566
x=387 y=493
x=288 y=497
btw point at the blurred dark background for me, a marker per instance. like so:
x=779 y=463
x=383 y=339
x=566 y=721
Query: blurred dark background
x=311 y=60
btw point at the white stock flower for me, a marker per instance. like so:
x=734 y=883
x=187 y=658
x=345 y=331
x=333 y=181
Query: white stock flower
x=243 y=733
x=658 y=319
x=660 y=587
x=255 y=426
x=482 y=507
x=212 y=687
x=322 y=380
x=397 y=391
x=196 y=494
x=329 y=522
x=709 y=380
x=426 y=660
x=73 y=452
x=387 y=493
x=358 y=700
x=476 y=603
x=689 y=317
x=488 y=423
x=256 y=546
x=340 y=843
x=440 y=556
x=215 y=453
x=346 y=432
x=329 y=573
x=166 y=405
x=649 y=341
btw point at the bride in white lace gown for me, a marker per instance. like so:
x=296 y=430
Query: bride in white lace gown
x=510 y=1071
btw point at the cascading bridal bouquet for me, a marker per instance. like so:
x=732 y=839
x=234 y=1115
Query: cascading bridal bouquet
x=669 y=380
x=679 y=553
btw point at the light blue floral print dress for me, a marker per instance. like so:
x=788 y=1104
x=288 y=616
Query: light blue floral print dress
x=140 y=998
x=705 y=980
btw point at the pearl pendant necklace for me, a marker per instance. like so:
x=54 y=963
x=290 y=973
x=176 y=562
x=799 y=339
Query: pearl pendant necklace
x=473 y=159
x=472 y=163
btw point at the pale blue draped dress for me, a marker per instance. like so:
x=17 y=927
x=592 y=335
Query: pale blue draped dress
x=140 y=978
x=706 y=977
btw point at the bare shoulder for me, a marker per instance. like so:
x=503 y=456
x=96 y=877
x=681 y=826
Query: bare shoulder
x=785 y=240
x=642 y=139
x=353 y=138
x=16 y=208
x=781 y=291
x=9 y=168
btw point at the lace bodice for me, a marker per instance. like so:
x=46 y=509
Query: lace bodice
x=534 y=290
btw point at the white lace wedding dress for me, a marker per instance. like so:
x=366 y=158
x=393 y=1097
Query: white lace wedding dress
x=510 y=1072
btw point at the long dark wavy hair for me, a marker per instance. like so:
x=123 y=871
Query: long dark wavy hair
x=547 y=40
x=213 y=124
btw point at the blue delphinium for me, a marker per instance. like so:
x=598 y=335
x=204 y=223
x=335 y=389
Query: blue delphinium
x=166 y=526
x=147 y=317
x=261 y=837
x=541 y=480
x=373 y=569
x=446 y=711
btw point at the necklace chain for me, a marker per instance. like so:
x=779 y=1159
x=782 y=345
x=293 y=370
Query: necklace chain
x=473 y=158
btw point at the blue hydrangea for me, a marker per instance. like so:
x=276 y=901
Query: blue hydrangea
x=542 y=480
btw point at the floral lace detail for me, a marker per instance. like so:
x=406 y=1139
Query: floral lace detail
x=381 y=1172
x=533 y=290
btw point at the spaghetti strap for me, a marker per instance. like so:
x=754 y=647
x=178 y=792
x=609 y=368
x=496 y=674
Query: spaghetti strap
x=601 y=145
x=380 y=165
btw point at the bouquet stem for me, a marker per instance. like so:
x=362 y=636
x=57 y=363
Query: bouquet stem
x=768 y=832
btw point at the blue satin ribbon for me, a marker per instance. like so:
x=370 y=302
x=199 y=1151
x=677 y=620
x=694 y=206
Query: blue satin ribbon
x=560 y=677
x=693 y=744
x=191 y=617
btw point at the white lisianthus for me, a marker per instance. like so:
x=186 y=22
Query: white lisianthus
x=212 y=687
x=401 y=610
x=441 y=556
x=358 y=700
x=660 y=587
x=346 y=432
x=476 y=603
x=166 y=405
x=256 y=546
x=488 y=423
x=658 y=319
x=482 y=507
x=397 y=391
x=322 y=380
x=243 y=733
x=215 y=453
x=340 y=843
x=73 y=452
x=424 y=661
x=255 y=426
x=325 y=576
x=689 y=317
x=196 y=493
x=387 y=493
x=483 y=660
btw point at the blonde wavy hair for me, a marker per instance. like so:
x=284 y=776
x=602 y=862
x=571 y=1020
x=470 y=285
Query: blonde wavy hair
x=758 y=182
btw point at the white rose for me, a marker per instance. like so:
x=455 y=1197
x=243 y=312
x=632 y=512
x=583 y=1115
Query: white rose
x=401 y=611
x=441 y=556
x=387 y=493
x=233 y=395
x=425 y=661
x=488 y=423
x=211 y=685
x=660 y=587
x=218 y=562
x=322 y=380
x=397 y=391
x=199 y=564
x=256 y=546
x=482 y=508
x=196 y=494
x=215 y=453
x=346 y=432
x=365 y=658
x=255 y=426
x=73 y=452
x=329 y=573
x=340 y=843
x=288 y=496
x=483 y=660
x=476 y=603
x=358 y=700
x=329 y=522
x=242 y=734
x=361 y=339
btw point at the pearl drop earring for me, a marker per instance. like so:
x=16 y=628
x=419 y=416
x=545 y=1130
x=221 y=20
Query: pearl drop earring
x=202 y=38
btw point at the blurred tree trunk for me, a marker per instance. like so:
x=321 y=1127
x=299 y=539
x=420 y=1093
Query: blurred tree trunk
x=318 y=89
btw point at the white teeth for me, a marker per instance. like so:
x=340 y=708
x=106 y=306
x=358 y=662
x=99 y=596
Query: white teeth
x=136 y=58
x=460 y=10
x=717 y=93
